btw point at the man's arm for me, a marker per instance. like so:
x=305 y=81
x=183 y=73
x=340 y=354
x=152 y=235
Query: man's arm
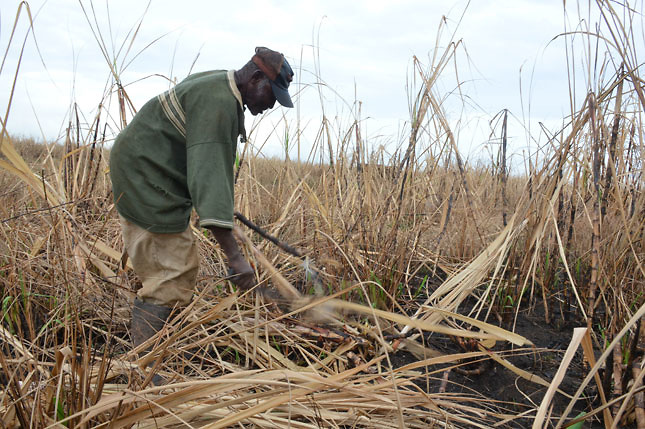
x=244 y=274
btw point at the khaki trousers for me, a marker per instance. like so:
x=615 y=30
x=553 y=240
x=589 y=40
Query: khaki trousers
x=166 y=264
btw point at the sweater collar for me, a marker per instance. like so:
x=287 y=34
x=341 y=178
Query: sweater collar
x=236 y=92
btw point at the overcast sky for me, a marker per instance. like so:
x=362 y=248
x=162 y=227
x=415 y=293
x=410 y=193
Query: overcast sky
x=364 y=51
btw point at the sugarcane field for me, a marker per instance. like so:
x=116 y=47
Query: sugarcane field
x=322 y=268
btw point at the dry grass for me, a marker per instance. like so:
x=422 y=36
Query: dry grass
x=407 y=250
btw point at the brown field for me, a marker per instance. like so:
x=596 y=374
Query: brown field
x=450 y=291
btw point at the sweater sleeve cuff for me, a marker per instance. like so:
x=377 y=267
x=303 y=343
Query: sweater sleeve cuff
x=216 y=222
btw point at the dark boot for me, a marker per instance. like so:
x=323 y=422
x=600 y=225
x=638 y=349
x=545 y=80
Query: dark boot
x=147 y=320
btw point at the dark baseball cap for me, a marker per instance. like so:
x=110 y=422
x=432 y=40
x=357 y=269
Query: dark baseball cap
x=277 y=69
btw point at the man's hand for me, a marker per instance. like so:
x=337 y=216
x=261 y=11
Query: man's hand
x=243 y=274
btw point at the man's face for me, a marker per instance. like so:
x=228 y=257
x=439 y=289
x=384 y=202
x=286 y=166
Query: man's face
x=259 y=96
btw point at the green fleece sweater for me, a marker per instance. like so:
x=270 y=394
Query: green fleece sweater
x=178 y=153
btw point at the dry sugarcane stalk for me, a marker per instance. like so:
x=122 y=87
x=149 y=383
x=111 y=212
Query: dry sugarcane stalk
x=284 y=287
x=638 y=374
x=611 y=163
x=587 y=348
x=595 y=214
x=639 y=397
x=503 y=172
x=309 y=331
x=444 y=381
x=617 y=373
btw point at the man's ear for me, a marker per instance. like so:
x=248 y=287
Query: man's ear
x=257 y=75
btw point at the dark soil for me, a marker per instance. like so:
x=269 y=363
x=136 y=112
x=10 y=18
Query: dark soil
x=515 y=394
